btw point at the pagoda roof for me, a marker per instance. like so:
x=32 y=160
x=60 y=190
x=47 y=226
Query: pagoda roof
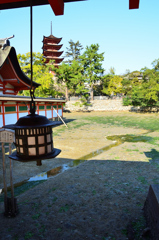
x=55 y=64
x=10 y=71
x=56 y=59
x=55 y=53
x=54 y=47
x=52 y=39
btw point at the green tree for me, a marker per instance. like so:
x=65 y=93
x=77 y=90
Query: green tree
x=145 y=92
x=63 y=75
x=92 y=63
x=129 y=81
x=71 y=76
x=112 y=71
x=78 y=82
x=41 y=74
x=73 y=51
x=24 y=61
x=114 y=86
x=155 y=64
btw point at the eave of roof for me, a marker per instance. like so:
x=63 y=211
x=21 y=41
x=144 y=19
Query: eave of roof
x=28 y=99
x=51 y=37
x=9 y=52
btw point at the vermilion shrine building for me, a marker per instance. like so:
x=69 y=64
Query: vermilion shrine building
x=12 y=80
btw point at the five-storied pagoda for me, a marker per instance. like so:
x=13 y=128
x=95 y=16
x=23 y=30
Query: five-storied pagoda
x=51 y=49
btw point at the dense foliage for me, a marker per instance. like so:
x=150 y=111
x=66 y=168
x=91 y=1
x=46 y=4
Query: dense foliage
x=41 y=75
x=91 y=61
x=143 y=91
x=83 y=75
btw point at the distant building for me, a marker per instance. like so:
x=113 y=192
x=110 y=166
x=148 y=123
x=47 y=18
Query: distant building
x=51 y=49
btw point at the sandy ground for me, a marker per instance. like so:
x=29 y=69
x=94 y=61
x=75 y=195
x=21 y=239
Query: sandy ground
x=100 y=198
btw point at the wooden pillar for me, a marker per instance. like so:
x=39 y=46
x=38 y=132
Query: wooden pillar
x=37 y=106
x=62 y=109
x=51 y=111
x=45 y=110
x=57 y=112
x=3 y=113
x=28 y=105
x=17 y=106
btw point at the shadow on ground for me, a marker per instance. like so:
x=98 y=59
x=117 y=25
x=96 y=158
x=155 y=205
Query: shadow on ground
x=93 y=200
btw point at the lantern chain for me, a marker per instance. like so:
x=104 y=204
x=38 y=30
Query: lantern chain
x=32 y=103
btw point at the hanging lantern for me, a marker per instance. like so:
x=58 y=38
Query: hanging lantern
x=33 y=133
x=33 y=138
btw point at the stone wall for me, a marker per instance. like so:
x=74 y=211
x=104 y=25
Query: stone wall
x=98 y=105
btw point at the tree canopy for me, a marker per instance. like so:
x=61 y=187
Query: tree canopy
x=41 y=74
x=73 y=51
x=92 y=64
x=143 y=91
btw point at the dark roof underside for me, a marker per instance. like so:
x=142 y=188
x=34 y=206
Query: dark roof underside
x=27 y=3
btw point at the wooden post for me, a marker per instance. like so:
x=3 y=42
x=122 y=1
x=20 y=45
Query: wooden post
x=45 y=110
x=3 y=113
x=10 y=204
x=4 y=178
x=17 y=106
x=11 y=181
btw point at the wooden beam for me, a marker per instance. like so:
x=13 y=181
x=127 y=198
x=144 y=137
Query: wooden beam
x=57 y=6
x=10 y=1
x=134 y=4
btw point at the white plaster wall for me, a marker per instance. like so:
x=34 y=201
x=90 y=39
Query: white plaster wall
x=42 y=113
x=23 y=114
x=10 y=118
x=49 y=115
x=54 y=113
x=1 y=120
x=60 y=112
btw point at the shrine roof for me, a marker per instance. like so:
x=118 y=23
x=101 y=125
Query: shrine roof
x=11 y=72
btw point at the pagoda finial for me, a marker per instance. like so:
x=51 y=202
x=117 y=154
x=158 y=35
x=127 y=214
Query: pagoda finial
x=51 y=27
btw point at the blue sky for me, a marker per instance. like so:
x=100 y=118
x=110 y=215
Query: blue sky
x=128 y=38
